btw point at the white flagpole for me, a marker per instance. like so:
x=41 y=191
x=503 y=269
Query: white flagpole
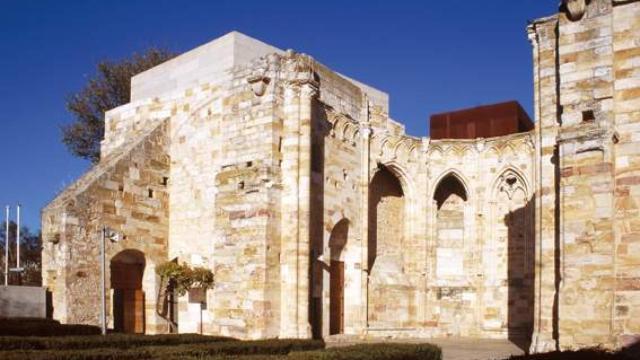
x=18 y=238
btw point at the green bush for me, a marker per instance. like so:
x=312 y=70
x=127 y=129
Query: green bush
x=257 y=347
x=43 y=327
x=223 y=349
x=118 y=341
x=357 y=352
x=85 y=354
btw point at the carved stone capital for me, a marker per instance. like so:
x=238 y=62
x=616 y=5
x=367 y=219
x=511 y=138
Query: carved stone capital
x=309 y=89
x=365 y=131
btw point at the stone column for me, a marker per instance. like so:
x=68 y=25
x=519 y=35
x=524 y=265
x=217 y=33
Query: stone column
x=543 y=39
x=365 y=145
x=299 y=98
x=308 y=93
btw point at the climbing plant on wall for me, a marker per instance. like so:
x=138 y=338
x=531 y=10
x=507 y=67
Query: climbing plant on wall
x=184 y=277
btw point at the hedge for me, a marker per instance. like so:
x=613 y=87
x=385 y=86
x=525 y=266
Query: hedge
x=185 y=351
x=356 y=352
x=43 y=327
x=219 y=350
x=256 y=347
x=118 y=341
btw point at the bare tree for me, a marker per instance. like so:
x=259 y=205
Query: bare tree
x=109 y=88
x=30 y=255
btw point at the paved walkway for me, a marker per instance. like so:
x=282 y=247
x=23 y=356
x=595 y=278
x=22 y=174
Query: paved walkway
x=455 y=348
x=477 y=349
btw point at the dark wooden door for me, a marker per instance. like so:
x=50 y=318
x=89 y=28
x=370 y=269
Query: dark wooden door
x=336 y=298
x=128 y=311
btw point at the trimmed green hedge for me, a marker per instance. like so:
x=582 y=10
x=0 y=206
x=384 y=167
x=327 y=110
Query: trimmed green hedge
x=226 y=349
x=118 y=341
x=356 y=352
x=43 y=327
x=243 y=348
x=239 y=350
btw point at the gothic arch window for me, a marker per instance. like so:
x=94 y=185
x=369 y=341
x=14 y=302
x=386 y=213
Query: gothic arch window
x=450 y=198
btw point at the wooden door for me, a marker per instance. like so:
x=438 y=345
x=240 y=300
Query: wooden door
x=129 y=311
x=336 y=298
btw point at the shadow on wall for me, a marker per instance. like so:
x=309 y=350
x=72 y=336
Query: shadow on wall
x=320 y=129
x=521 y=274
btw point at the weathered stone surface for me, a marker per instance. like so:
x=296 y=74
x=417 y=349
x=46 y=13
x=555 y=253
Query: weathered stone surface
x=256 y=173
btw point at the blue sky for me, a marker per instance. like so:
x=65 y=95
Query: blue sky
x=430 y=56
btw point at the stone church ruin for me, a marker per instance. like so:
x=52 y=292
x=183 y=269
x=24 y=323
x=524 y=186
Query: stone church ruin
x=319 y=216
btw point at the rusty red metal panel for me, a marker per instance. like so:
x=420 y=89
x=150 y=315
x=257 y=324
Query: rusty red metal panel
x=481 y=122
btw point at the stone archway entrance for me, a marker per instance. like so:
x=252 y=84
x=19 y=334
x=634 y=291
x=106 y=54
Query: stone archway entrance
x=337 y=243
x=127 y=269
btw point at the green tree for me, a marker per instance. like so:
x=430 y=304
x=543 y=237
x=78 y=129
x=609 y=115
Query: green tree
x=30 y=255
x=109 y=88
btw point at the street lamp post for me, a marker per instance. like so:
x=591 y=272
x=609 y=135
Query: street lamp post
x=113 y=237
x=6 y=250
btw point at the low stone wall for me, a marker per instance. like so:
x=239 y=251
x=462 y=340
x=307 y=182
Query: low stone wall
x=23 y=301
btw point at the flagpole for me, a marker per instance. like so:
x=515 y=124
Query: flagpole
x=18 y=238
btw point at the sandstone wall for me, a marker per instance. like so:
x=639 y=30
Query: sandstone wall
x=336 y=199
x=585 y=95
x=626 y=95
x=127 y=194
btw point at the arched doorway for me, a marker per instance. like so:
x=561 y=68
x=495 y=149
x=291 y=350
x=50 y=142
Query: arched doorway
x=389 y=295
x=127 y=269
x=337 y=243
